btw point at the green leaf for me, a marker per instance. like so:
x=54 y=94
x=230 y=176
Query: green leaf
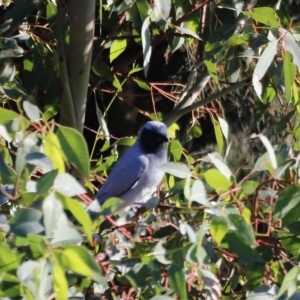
x=172 y=130
x=9 y=286
x=146 y=43
x=218 y=134
x=245 y=252
x=220 y=164
x=143 y=85
x=176 y=169
x=162 y=9
x=198 y=193
x=54 y=151
x=52 y=211
x=8 y=260
x=37 y=245
x=217 y=180
x=21 y=9
x=218 y=228
x=64 y=236
x=159 y=252
x=212 y=69
x=289 y=74
x=68 y=185
x=31 y=109
x=289 y=280
x=79 y=260
x=187 y=31
x=255 y=273
x=287 y=207
x=60 y=283
x=262 y=66
x=110 y=206
x=249 y=187
x=177 y=281
x=10 y=48
x=264 y=15
x=26 y=221
x=45 y=182
x=116 y=48
x=138 y=13
x=7 y=116
x=176 y=149
x=244 y=229
x=78 y=212
x=75 y=149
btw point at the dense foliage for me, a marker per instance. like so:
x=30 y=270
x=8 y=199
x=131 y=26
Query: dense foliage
x=78 y=78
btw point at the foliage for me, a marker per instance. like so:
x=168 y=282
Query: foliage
x=215 y=232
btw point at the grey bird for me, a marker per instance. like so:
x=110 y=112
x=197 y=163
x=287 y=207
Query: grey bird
x=136 y=175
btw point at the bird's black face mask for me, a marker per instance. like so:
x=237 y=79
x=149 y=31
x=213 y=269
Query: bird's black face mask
x=152 y=140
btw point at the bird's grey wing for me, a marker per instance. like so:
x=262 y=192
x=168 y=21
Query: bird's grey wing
x=123 y=176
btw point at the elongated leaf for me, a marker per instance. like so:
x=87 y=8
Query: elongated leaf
x=60 y=283
x=290 y=45
x=269 y=148
x=287 y=207
x=78 y=212
x=218 y=228
x=176 y=169
x=177 y=281
x=264 y=15
x=21 y=9
x=262 y=66
x=217 y=180
x=160 y=253
x=102 y=123
x=52 y=210
x=146 y=43
x=26 y=221
x=244 y=230
x=7 y=116
x=46 y=182
x=79 y=260
x=40 y=160
x=54 y=151
x=289 y=74
x=8 y=259
x=289 y=279
x=162 y=9
x=219 y=163
x=31 y=109
x=65 y=236
x=138 y=13
x=218 y=134
x=75 y=149
x=117 y=48
x=198 y=193
x=67 y=185
x=176 y=149
x=188 y=32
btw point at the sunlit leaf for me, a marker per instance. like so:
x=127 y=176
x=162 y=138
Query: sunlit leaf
x=264 y=15
x=79 y=260
x=75 y=149
x=218 y=228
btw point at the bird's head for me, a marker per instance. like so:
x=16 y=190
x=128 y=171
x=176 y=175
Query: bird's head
x=153 y=135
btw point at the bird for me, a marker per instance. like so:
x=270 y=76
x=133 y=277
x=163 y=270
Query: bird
x=135 y=176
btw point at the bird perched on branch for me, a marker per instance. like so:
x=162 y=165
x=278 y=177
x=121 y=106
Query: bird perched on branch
x=136 y=175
